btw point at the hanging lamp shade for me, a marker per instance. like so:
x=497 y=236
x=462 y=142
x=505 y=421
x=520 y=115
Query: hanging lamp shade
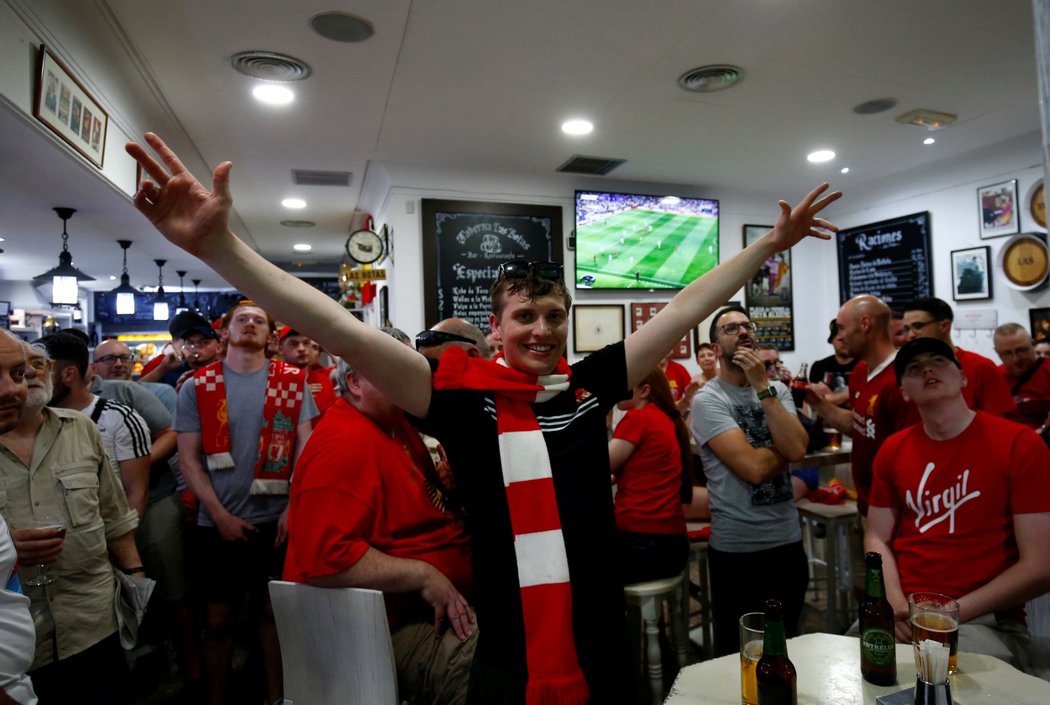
x=161 y=312
x=65 y=278
x=182 y=306
x=125 y=291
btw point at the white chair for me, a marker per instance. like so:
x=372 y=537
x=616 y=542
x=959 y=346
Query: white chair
x=649 y=597
x=335 y=645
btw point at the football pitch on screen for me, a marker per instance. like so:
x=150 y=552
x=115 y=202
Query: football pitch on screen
x=644 y=249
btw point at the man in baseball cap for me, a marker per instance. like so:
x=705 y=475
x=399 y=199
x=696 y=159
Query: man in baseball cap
x=194 y=343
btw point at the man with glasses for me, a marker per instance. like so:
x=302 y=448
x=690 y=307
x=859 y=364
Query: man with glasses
x=456 y=332
x=960 y=505
x=553 y=618
x=985 y=389
x=748 y=433
x=113 y=362
x=1026 y=374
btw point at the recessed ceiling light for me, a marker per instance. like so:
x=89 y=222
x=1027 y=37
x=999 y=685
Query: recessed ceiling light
x=273 y=94
x=302 y=247
x=293 y=203
x=929 y=140
x=2 y=240
x=844 y=170
x=112 y=277
x=577 y=127
x=821 y=155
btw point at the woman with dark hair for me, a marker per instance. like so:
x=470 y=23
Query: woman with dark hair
x=651 y=463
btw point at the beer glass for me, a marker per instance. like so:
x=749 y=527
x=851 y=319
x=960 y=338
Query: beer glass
x=935 y=616
x=834 y=437
x=54 y=523
x=752 y=631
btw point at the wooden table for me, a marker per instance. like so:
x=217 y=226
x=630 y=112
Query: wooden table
x=828 y=669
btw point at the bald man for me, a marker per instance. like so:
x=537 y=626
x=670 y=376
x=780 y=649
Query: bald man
x=877 y=408
x=455 y=332
x=113 y=360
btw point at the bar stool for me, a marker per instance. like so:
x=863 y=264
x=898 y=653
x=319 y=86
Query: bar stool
x=648 y=598
x=701 y=590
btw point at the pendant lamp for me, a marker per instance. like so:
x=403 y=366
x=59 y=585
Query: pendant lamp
x=65 y=278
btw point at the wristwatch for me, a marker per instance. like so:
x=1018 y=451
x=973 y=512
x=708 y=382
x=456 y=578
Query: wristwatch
x=766 y=394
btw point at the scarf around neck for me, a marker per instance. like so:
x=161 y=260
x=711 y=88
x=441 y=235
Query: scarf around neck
x=554 y=674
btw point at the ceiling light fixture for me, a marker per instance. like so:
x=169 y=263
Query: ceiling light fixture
x=929 y=140
x=196 y=295
x=295 y=203
x=65 y=278
x=125 y=291
x=577 y=127
x=821 y=155
x=160 y=300
x=302 y=247
x=844 y=170
x=182 y=293
x=930 y=119
x=273 y=94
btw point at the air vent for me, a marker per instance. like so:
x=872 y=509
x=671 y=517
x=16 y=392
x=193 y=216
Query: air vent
x=871 y=107
x=314 y=177
x=342 y=27
x=579 y=164
x=708 y=79
x=270 y=66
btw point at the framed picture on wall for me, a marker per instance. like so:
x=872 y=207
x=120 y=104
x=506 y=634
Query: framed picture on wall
x=971 y=274
x=769 y=295
x=1040 y=321
x=640 y=313
x=64 y=105
x=997 y=207
x=596 y=326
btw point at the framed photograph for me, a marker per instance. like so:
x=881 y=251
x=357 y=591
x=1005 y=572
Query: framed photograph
x=640 y=313
x=596 y=326
x=768 y=296
x=971 y=274
x=1040 y=321
x=997 y=207
x=68 y=110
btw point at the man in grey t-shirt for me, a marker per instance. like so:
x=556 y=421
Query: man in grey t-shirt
x=240 y=484
x=748 y=432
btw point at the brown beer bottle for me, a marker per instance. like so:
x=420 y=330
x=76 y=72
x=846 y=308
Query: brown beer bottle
x=878 y=653
x=775 y=674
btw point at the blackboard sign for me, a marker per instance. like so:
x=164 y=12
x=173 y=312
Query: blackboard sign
x=464 y=242
x=890 y=260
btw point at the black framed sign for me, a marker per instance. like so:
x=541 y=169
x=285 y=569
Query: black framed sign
x=889 y=259
x=464 y=242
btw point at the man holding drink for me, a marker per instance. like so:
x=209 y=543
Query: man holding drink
x=960 y=505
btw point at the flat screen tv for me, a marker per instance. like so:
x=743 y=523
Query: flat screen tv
x=637 y=241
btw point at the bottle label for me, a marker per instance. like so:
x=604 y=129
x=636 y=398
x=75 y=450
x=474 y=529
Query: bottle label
x=879 y=646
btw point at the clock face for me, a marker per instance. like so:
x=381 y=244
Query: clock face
x=364 y=246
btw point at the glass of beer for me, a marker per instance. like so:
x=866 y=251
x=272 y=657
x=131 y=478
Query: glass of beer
x=752 y=631
x=57 y=525
x=834 y=437
x=935 y=616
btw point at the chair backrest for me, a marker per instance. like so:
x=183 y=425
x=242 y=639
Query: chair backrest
x=335 y=645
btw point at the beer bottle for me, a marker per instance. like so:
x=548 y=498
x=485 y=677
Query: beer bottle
x=775 y=674
x=878 y=653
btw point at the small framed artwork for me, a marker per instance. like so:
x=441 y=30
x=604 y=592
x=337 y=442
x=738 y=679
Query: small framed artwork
x=596 y=326
x=997 y=206
x=68 y=110
x=1040 y=321
x=640 y=313
x=971 y=274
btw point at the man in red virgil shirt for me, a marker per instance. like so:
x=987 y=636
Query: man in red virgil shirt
x=377 y=519
x=960 y=505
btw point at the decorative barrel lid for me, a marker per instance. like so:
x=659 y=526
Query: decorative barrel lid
x=1024 y=261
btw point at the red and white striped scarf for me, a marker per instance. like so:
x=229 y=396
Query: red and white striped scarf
x=554 y=677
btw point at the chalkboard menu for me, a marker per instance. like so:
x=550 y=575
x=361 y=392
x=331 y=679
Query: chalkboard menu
x=890 y=259
x=464 y=242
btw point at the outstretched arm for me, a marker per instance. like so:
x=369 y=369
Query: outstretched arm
x=197 y=220
x=702 y=297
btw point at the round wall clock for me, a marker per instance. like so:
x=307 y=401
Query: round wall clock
x=364 y=246
x=1024 y=261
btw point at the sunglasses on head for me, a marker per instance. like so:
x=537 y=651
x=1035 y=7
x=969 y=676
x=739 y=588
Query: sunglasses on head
x=521 y=268
x=432 y=338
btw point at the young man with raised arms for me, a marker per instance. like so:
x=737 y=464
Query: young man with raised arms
x=553 y=628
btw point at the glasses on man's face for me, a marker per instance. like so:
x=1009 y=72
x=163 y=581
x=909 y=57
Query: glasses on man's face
x=917 y=326
x=734 y=328
x=773 y=364
x=40 y=364
x=433 y=338
x=521 y=268
x=110 y=359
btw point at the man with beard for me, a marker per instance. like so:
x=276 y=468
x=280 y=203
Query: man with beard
x=747 y=430
x=241 y=424
x=78 y=655
x=296 y=349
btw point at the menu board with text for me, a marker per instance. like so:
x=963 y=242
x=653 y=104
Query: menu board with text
x=889 y=259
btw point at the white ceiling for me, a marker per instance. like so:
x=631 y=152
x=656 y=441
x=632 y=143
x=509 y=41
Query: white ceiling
x=484 y=85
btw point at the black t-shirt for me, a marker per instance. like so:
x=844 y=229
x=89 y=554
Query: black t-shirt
x=839 y=372
x=573 y=425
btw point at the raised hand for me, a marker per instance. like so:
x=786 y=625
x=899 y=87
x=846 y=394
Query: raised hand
x=802 y=221
x=185 y=212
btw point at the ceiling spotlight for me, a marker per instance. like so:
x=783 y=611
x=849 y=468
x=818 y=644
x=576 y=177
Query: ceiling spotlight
x=577 y=127
x=821 y=155
x=273 y=94
x=302 y=247
x=293 y=203
x=844 y=170
x=929 y=140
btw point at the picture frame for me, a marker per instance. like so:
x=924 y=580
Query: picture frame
x=640 y=312
x=595 y=326
x=67 y=109
x=769 y=297
x=997 y=209
x=1039 y=321
x=972 y=274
